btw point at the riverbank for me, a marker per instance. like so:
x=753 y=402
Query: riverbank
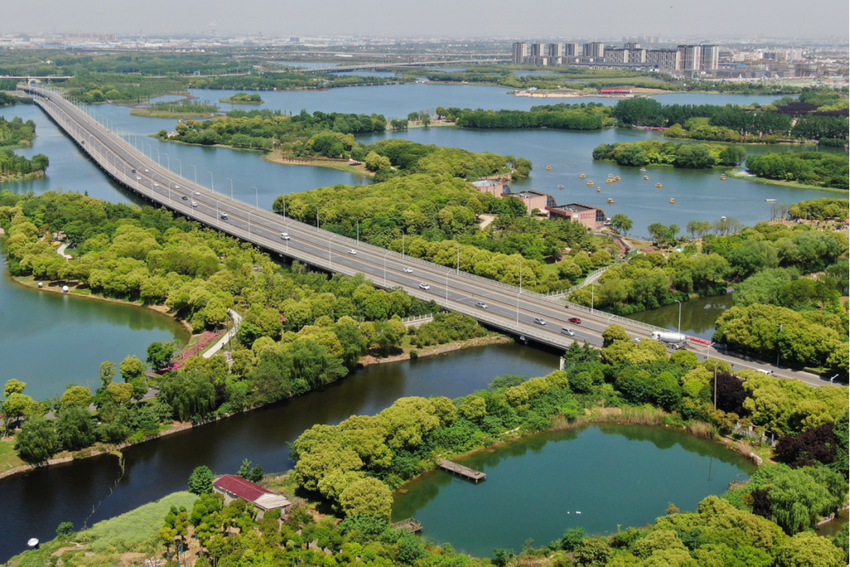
x=348 y=166
x=787 y=184
x=230 y=100
x=11 y=464
x=145 y=113
x=27 y=177
x=80 y=290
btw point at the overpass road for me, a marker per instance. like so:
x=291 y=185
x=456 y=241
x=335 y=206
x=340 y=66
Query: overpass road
x=508 y=308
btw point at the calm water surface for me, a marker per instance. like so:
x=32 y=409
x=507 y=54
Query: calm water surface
x=698 y=315
x=43 y=498
x=49 y=340
x=615 y=475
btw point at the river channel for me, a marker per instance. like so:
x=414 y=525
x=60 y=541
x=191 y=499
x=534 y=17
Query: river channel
x=600 y=478
x=698 y=315
x=43 y=498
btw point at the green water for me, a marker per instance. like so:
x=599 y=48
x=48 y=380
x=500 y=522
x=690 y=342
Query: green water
x=49 y=340
x=615 y=475
x=698 y=315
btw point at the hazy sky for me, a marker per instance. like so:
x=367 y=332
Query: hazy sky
x=518 y=18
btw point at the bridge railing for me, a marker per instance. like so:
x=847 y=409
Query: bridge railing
x=325 y=263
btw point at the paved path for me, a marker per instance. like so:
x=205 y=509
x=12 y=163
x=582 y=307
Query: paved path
x=237 y=320
x=61 y=251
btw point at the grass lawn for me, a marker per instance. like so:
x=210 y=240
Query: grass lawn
x=104 y=543
x=8 y=458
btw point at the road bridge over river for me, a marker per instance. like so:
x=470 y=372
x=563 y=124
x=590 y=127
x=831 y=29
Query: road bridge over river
x=508 y=308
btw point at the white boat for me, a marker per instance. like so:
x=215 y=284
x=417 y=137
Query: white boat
x=770 y=200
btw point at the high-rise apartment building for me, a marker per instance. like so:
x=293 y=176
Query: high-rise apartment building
x=595 y=51
x=710 y=57
x=556 y=50
x=521 y=52
x=691 y=56
x=572 y=50
x=665 y=59
x=614 y=55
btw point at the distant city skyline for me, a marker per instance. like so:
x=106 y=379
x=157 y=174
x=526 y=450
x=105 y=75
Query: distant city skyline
x=817 y=19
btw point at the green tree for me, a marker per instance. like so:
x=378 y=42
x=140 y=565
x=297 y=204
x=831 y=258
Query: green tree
x=76 y=396
x=621 y=223
x=251 y=473
x=200 y=481
x=367 y=496
x=107 y=373
x=160 y=355
x=807 y=549
x=17 y=406
x=132 y=369
x=190 y=394
x=14 y=387
x=37 y=441
x=75 y=428
x=614 y=333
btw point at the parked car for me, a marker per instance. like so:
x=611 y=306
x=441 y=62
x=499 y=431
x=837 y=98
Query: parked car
x=574 y=320
x=539 y=321
x=481 y=305
x=568 y=331
x=424 y=286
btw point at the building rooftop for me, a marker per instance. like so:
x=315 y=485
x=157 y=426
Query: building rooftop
x=529 y=194
x=244 y=489
x=487 y=183
x=574 y=208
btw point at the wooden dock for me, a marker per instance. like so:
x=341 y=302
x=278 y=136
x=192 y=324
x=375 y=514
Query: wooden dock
x=412 y=525
x=461 y=470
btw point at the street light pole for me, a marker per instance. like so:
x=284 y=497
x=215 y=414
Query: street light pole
x=231 y=187
x=778 y=352
x=679 y=328
x=317 y=217
x=358 y=230
x=181 y=166
x=256 y=196
x=715 y=385
x=212 y=182
x=458 y=258
x=167 y=161
x=330 y=258
x=196 y=173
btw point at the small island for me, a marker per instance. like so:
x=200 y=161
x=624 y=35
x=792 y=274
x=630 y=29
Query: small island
x=181 y=109
x=243 y=98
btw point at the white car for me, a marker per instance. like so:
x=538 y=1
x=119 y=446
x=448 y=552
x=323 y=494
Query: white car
x=352 y=251
x=539 y=321
x=284 y=235
x=424 y=286
x=223 y=216
x=567 y=331
x=138 y=178
x=155 y=184
x=146 y=171
x=481 y=305
x=194 y=204
x=408 y=270
x=768 y=372
x=198 y=193
x=177 y=187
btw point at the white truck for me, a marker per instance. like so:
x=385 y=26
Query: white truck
x=673 y=340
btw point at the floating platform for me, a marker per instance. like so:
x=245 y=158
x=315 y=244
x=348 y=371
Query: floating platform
x=412 y=525
x=461 y=470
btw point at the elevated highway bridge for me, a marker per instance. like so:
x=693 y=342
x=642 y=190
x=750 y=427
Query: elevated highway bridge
x=509 y=309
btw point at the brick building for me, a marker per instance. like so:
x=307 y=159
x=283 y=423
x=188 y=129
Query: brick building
x=591 y=217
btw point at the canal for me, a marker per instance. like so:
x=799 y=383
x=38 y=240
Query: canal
x=44 y=498
x=601 y=478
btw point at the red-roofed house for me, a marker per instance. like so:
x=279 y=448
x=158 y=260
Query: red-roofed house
x=232 y=487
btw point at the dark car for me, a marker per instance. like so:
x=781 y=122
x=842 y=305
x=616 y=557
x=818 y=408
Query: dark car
x=185 y=198
x=575 y=320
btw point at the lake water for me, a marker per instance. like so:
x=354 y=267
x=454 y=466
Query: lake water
x=43 y=498
x=614 y=475
x=50 y=340
x=698 y=195
x=41 y=326
x=698 y=315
